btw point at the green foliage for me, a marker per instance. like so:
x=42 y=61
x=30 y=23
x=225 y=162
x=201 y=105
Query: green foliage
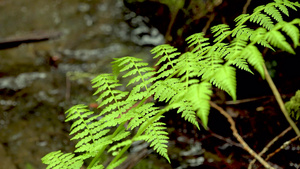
x=293 y=106
x=183 y=81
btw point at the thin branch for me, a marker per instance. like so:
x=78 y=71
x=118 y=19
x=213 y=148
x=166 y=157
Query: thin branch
x=231 y=102
x=283 y=146
x=266 y=148
x=228 y=140
x=238 y=137
x=207 y=25
x=246 y=6
x=280 y=101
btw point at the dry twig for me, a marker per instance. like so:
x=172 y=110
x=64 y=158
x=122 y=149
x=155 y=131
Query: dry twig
x=238 y=137
x=283 y=146
x=266 y=148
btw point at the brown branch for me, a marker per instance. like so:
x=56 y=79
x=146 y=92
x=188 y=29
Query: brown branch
x=283 y=146
x=228 y=140
x=246 y=6
x=238 y=137
x=266 y=148
x=207 y=25
x=280 y=101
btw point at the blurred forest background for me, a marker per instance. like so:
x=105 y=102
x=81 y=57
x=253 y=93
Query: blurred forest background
x=51 y=49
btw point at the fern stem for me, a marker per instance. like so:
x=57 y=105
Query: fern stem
x=280 y=101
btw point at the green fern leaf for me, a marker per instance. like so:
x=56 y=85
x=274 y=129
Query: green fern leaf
x=187 y=111
x=293 y=106
x=143 y=75
x=156 y=135
x=120 y=145
x=276 y=39
x=199 y=96
x=292 y=31
x=225 y=79
x=263 y=20
x=117 y=163
x=167 y=53
x=200 y=43
x=164 y=90
x=271 y=10
x=241 y=19
x=220 y=31
x=254 y=58
x=283 y=9
x=141 y=114
x=58 y=160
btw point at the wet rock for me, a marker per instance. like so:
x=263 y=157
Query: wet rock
x=21 y=81
x=6 y=161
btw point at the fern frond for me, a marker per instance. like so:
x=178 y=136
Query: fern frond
x=59 y=160
x=168 y=54
x=241 y=19
x=254 y=58
x=263 y=20
x=164 y=90
x=291 y=30
x=199 y=96
x=188 y=67
x=81 y=127
x=142 y=114
x=283 y=9
x=276 y=39
x=291 y=5
x=234 y=57
x=120 y=145
x=225 y=79
x=117 y=163
x=199 y=42
x=143 y=75
x=242 y=32
x=187 y=111
x=293 y=106
x=220 y=31
x=156 y=135
x=271 y=10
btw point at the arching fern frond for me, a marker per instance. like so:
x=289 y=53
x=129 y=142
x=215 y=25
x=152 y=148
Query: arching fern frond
x=142 y=75
x=271 y=10
x=291 y=30
x=168 y=54
x=241 y=19
x=59 y=160
x=164 y=90
x=199 y=42
x=82 y=128
x=197 y=98
x=188 y=67
x=234 y=57
x=117 y=163
x=254 y=58
x=242 y=32
x=262 y=20
x=156 y=135
x=276 y=39
x=141 y=114
x=220 y=31
x=225 y=79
